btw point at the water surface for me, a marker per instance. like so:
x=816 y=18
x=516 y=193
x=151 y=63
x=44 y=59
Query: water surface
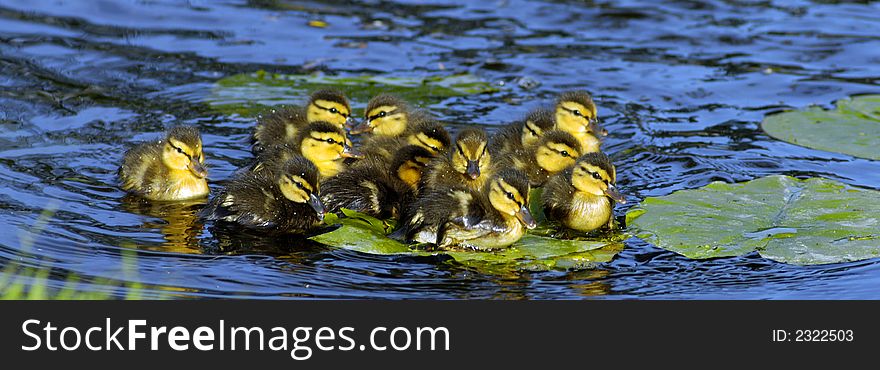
x=681 y=86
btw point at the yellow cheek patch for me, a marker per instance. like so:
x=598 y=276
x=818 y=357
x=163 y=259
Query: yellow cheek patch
x=292 y=192
x=558 y=147
x=305 y=184
x=426 y=142
x=602 y=174
x=588 y=112
x=378 y=110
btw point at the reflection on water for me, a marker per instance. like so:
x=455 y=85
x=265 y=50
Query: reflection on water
x=681 y=86
x=178 y=222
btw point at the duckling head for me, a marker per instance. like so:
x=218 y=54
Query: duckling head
x=182 y=151
x=557 y=150
x=409 y=163
x=386 y=115
x=576 y=114
x=537 y=122
x=594 y=174
x=298 y=181
x=329 y=105
x=509 y=194
x=326 y=146
x=470 y=156
x=429 y=134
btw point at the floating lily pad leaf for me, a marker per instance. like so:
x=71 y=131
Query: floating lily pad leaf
x=361 y=233
x=804 y=222
x=853 y=128
x=366 y=234
x=248 y=94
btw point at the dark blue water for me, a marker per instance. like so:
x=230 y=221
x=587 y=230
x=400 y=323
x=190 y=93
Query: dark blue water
x=682 y=87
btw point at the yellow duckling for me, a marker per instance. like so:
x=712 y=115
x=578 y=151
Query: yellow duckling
x=172 y=168
x=385 y=115
x=468 y=163
x=280 y=125
x=286 y=201
x=554 y=151
x=582 y=197
x=375 y=188
x=576 y=114
x=320 y=142
x=458 y=216
x=520 y=135
x=423 y=131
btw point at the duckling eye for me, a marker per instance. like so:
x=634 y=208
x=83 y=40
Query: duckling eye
x=565 y=153
x=509 y=195
x=334 y=110
x=177 y=149
x=331 y=141
x=596 y=175
x=300 y=186
x=577 y=112
x=382 y=114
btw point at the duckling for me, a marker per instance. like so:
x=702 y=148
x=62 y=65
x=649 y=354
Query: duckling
x=520 y=135
x=582 y=197
x=468 y=163
x=385 y=115
x=493 y=218
x=423 y=131
x=576 y=114
x=320 y=142
x=555 y=151
x=285 y=201
x=376 y=188
x=281 y=124
x=172 y=168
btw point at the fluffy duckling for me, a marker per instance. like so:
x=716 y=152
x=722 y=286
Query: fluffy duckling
x=576 y=114
x=280 y=125
x=376 y=188
x=385 y=115
x=286 y=201
x=423 y=131
x=554 y=151
x=520 y=135
x=468 y=163
x=582 y=197
x=172 y=168
x=494 y=218
x=322 y=143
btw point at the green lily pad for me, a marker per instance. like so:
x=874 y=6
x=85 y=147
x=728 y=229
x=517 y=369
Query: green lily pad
x=853 y=128
x=803 y=222
x=366 y=234
x=250 y=93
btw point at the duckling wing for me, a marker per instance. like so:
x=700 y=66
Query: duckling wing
x=140 y=164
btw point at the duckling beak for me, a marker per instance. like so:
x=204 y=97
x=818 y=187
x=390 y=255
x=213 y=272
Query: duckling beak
x=525 y=216
x=362 y=127
x=597 y=128
x=316 y=203
x=198 y=168
x=473 y=169
x=612 y=193
x=349 y=152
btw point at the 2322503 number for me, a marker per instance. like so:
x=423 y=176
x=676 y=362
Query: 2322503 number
x=823 y=335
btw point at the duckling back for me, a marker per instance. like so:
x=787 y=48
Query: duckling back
x=278 y=127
